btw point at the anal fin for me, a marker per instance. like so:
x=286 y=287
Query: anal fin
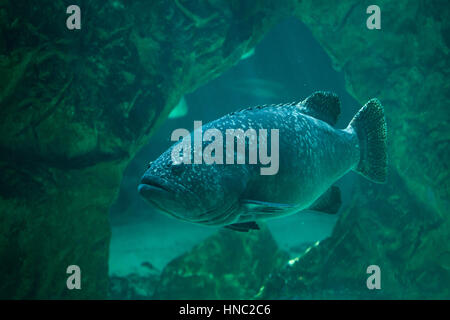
x=329 y=202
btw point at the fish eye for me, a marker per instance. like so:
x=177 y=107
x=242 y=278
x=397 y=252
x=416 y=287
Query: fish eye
x=148 y=165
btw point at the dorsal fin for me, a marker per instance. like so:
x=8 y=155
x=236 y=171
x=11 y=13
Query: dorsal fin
x=322 y=105
x=259 y=107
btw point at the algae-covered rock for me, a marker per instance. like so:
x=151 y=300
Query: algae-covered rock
x=228 y=265
x=384 y=226
x=138 y=285
x=76 y=105
x=132 y=287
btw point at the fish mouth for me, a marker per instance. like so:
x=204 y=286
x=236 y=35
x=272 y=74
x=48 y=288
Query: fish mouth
x=157 y=192
x=155 y=184
x=163 y=195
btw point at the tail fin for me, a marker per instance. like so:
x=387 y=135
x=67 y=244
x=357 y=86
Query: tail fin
x=370 y=126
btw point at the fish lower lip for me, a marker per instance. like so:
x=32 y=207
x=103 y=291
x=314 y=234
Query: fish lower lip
x=152 y=194
x=155 y=184
x=148 y=187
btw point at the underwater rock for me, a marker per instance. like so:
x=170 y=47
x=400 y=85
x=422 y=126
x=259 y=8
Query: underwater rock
x=132 y=287
x=385 y=226
x=228 y=265
x=138 y=285
x=76 y=105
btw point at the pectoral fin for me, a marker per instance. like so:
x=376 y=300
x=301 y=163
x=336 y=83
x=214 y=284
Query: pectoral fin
x=264 y=208
x=243 y=227
x=329 y=202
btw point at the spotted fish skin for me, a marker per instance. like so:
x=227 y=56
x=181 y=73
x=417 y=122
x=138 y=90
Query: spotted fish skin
x=312 y=156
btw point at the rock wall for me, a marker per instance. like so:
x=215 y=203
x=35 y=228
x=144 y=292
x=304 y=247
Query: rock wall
x=75 y=106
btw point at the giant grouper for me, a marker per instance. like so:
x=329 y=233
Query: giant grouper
x=312 y=156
